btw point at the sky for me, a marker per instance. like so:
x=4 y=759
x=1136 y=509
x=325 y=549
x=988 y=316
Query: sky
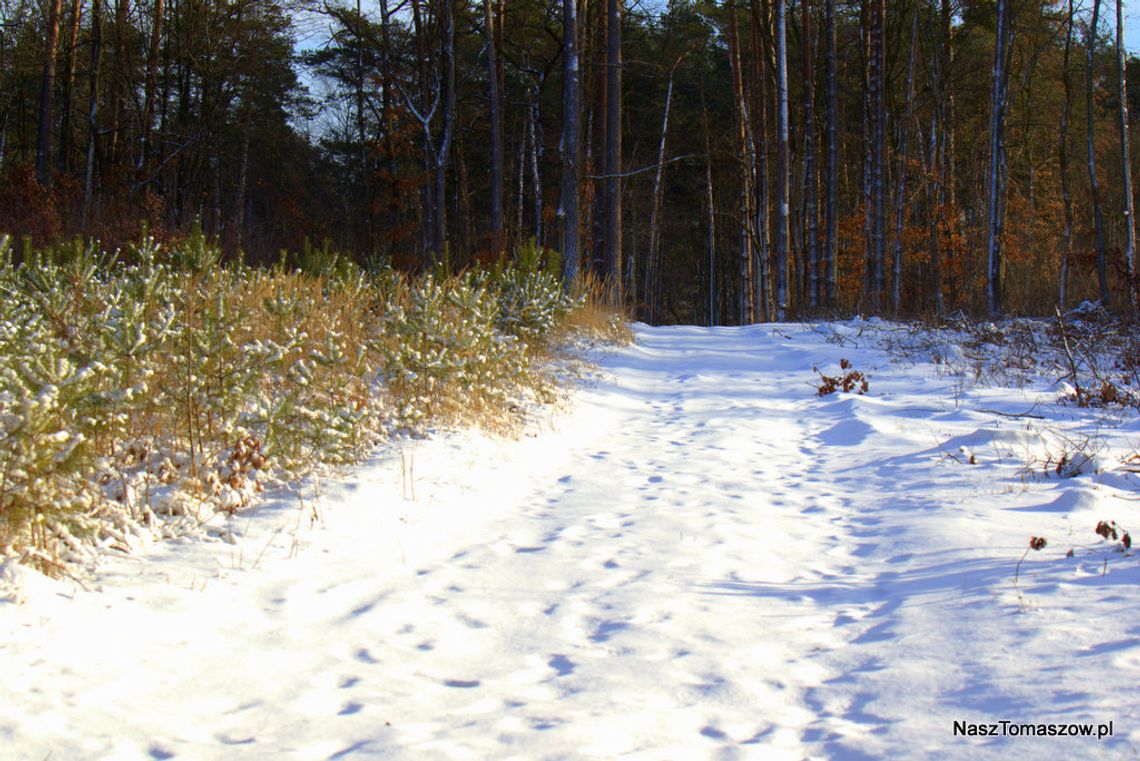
x=1131 y=24
x=312 y=30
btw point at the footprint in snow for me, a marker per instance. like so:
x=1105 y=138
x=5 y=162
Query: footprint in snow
x=561 y=664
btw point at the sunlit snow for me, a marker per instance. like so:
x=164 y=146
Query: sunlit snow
x=700 y=558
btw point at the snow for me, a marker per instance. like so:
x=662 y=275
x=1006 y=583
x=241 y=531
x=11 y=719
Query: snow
x=701 y=558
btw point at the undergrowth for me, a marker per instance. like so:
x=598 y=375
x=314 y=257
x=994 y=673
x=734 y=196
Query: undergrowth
x=146 y=389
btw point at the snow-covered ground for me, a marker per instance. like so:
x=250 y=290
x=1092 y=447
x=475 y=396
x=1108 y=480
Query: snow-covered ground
x=702 y=559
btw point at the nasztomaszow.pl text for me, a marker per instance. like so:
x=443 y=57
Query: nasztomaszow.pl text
x=1007 y=728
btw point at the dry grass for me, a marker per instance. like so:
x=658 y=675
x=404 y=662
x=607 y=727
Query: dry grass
x=600 y=315
x=145 y=397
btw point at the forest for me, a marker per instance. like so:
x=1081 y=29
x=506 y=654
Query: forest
x=715 y=162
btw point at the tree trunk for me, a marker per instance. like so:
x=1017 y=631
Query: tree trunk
x=747 y=172
x=365 y=207
x=831 y=213
x=1063 y=160
x=811 y=244
x=866 y=37
x=242 y=185
x=494 y=84
x=711 y=208
x=996 y=178
x=613 y=255
x=1094 y=186
x=142 y=167
x=47 y=96
x=900 y=194
x=568 y=230
x=1126 y=164
x=658 y=186
x=119 y=80
x=65 y=128
x=439 y=248
x=935 y=199
x=535 y=130
x=429 y=205
x=92 y=109
x=879 y=149
x=782 y=163
x=763 y=62
x=596 y=130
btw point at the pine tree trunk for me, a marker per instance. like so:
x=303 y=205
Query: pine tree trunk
x=1063 y=160
x=65 y=128
x=782 y=163
x=710 y=206
x=444 y=153
x=92 y=109
x=496 y=117
x=142 y=167
x=879 y=150
x=763 y=61
x=810 y=212
x=535 y=135
x=1126 y=164
x=996 y=178
x=866 y=37
x=119 y=80
x=1094 y=186
x=47 y=96
x=934 y=168
x=613 y=157
x=428 y=203
x=361 y=136
x=900 y=194
x=568 y=231
x=747 y=172
x=831 y=213
x=658 y=185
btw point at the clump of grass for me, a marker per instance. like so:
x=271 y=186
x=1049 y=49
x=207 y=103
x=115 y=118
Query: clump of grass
x=146 y=390
x=599 y=314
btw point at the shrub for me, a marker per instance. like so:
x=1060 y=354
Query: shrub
x=146 y=389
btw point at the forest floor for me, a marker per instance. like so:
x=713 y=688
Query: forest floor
x=699 y=557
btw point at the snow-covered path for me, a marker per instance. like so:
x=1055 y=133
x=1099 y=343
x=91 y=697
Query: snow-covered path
x=706 y=561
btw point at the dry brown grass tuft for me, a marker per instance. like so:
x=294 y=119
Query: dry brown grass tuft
x=600 y=315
